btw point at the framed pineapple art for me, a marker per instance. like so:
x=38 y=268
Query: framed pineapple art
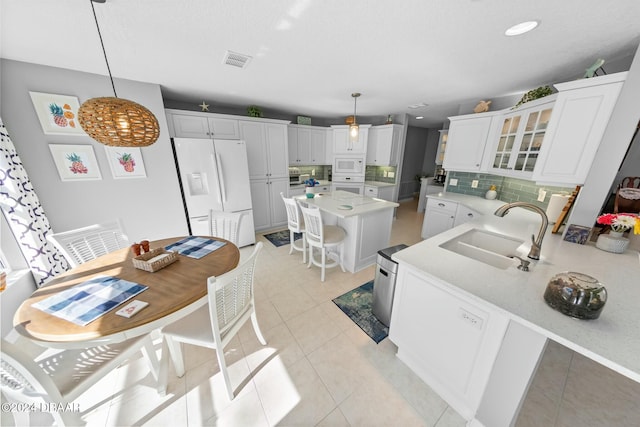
x=58 y=114
x=126 y=162
x=75 y=162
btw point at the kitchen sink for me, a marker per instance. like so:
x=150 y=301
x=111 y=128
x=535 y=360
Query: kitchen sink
x=485 y=246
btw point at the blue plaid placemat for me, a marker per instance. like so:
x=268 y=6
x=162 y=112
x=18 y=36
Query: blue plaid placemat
x=84 y=303
x=195 y=247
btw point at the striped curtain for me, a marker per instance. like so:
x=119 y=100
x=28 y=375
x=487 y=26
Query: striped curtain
x=21 y=207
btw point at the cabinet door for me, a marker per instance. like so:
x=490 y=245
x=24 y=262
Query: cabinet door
x=304 y=146
x=466 y=142
x=342 y=143
x=381 y=145
x=254 y=135
x=185 y=126
x=318 y=147
x=439 y=217
x=276 y=137
x=386 y=193
x=224 y=128
x=260 y=201
x=292 y=143
x=571 y=144
x=520 y=140
x=278 y=212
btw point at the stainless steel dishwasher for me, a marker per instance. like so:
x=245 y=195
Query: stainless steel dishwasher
x=384 y=283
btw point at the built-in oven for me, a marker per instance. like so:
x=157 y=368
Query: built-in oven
x=349 y=165
x=350 y=183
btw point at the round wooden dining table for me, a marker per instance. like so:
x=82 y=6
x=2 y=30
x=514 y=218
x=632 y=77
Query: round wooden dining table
x=173 y=292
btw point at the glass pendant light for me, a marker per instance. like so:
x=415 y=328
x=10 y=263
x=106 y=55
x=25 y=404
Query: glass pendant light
x=354 y=128
x=116 y=121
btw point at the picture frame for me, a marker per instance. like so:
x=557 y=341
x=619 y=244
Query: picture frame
x=58 y=114
x=577 y=234
x=125 y=162
x=75 y=162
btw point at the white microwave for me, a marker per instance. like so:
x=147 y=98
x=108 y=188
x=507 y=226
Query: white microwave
x=351 y=165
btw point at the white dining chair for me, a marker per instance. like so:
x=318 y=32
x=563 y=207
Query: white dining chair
x=295 y=224
x=230 y=304
x=225 y=225
x=324 y=238
x=84 y=244
x=54 y=377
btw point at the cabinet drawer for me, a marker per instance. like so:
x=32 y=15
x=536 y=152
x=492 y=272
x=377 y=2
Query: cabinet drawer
x=442 y=205
x=370 y=191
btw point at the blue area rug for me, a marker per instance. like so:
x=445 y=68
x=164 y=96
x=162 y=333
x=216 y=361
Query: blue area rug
x=357 y=305
x=281 y=238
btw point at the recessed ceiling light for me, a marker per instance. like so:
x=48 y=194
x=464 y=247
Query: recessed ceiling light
x=419 y=117
x=521 y=28
x=420 y=105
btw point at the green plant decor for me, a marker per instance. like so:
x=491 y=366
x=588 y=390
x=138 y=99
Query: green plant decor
x=254 y=111
x=540 y=92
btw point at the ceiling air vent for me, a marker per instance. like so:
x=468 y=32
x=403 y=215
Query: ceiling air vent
x=236 y=59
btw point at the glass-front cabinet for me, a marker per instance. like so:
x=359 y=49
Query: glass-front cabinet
x=520 y=139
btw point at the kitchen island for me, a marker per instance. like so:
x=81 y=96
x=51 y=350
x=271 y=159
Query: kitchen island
x=475 y=332
x=366 y=220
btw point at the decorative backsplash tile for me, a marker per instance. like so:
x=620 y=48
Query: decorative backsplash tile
x=381 y=174
x=509 y=189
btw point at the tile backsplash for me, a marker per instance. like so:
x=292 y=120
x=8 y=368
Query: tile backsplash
x=509 y=189
x=381 y=174
x=317 y=172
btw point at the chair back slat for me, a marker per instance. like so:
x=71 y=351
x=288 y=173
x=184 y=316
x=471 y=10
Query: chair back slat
x=294 y=216
x=231 y=295
x=313 y=224
x=225 y=225
x=87 y=243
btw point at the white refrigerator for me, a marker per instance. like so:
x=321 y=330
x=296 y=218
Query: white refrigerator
x=215 y=176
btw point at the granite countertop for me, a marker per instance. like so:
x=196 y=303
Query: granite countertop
x=344 y=204
x=612 y=340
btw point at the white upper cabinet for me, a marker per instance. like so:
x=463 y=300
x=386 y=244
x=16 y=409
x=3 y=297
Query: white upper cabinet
x=466 y=141
x=342 y=144
x=383 y=145
x=307 y=145
x=580 y=116
x=266 y=148
x=202 y=125
x=520 y=138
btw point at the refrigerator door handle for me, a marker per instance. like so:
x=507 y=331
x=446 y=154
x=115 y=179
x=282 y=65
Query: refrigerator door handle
x=215 y=166
x=221 y=176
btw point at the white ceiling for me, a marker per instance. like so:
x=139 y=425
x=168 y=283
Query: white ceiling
x=308 y=56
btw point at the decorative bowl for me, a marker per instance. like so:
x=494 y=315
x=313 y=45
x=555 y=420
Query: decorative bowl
x=310 y=195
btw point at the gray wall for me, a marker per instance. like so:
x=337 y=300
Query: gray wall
x=149 y=207
x=416 y=147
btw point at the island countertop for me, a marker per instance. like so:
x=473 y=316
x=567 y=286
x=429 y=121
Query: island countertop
x=612 y=340
x=344 y=204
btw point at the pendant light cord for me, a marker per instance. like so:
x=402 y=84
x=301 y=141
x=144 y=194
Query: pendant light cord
x=103 y=51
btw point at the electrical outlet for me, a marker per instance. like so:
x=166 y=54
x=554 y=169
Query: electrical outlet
x=474 y=183
x=453 y=182
x=391 y=174
x=541 y=195
x=385 y=173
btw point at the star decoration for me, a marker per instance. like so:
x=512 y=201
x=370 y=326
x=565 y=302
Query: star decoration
x=205 y=107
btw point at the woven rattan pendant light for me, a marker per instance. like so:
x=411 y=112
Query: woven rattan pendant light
x=116 y=121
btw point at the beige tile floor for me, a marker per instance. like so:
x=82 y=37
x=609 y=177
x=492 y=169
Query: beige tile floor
x=319 y=369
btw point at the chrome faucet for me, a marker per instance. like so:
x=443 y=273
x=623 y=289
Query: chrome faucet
x=536 y=244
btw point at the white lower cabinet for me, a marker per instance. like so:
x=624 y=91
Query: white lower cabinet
x=449 y=341
x=268 y=207
x=441 y=215
x=384 y=193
